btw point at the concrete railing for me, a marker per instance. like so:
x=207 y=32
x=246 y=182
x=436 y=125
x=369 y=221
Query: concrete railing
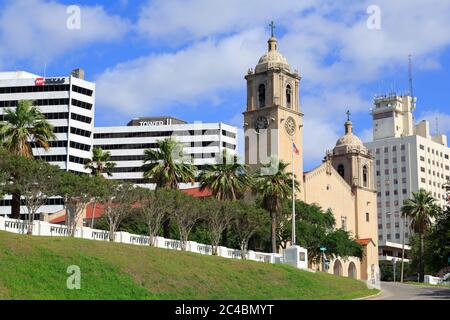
x=42 y=228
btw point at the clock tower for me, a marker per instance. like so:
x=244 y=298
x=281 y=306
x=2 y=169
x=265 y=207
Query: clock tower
x=273 y=121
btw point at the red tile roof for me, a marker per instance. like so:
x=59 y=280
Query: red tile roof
x=364 y=242
x=99 y=209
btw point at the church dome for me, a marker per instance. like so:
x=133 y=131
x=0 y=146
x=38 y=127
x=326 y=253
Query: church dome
x=272 y=59
x=349 y=139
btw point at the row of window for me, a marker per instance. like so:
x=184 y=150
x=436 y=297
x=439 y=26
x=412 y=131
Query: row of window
x=52 y=158
x=52 y=144
x=387 y=171
x=138 y=146
x=80 y=146
x=80 y=132
x=81 y=118
x=38 y=103
x=81 y=104
x=388 y=236
x=394 y=160
x=432 y=151
x=77 y=160
x=48 y=202
x=46 y=88
x=84 y=91
x=28 y=89
x=146 y=134
x=393 y=148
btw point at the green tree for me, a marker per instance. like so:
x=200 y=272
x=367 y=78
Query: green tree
x=76 y=191
x=34 y=179
x=155 y=207
x=186 y=212
x=218 y=216
x=227 y=180
x=437 y=243
x=248 y=220
x=118 y=202
x=420 y=210
x=23 y=127
x=100 y=163
x=167 y=167
x=273 y=186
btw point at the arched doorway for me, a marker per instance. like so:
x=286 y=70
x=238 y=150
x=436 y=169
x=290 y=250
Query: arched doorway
x=337 y=268
x=352 y=272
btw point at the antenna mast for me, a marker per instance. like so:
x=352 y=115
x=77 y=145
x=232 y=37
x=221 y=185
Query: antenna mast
x=411 y=88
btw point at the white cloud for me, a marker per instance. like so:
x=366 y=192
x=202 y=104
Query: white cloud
x=184 y=78
x=182 y=21
x=442 y=120
x=327 y=41
x=36 y=30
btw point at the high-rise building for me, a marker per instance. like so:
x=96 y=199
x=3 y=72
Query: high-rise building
x=407 y=158
x=203 y=143
x=68 y=103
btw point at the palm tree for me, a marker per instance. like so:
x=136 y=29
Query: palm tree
x=100 y=163
x=273 y=189
x=23 y=126
x=226 y=180
x=167 y=167
x=420 y=210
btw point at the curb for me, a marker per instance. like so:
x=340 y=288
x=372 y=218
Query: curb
x=368 y=297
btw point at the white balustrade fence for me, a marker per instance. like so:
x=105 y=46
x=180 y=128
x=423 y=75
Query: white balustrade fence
x=41 y=228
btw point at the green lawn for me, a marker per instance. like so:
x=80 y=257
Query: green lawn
x=35 y=268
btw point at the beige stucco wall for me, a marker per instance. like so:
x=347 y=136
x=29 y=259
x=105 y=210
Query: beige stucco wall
x=325 y=187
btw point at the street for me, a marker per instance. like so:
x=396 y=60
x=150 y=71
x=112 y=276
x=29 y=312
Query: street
x=399 y=291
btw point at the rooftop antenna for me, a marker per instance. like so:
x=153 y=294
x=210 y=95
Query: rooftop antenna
x=411 y=89
x=45 y=69
x=437 y=126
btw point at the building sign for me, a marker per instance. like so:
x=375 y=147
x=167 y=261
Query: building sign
x=39 y=81
x=49 y=81
x=166 y=122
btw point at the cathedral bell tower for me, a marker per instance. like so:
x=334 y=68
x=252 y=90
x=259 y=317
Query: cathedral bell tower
x=273 y=122
x=354 y=163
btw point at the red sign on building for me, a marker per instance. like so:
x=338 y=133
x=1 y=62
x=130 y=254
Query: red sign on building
x=39 y=81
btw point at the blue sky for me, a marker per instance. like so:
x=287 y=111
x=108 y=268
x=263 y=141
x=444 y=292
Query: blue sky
x=187 y=58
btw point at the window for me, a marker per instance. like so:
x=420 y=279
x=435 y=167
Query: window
x=288 y=96
x=341 y=171
x=365 y=176
x=262 y=95
x=367 y=217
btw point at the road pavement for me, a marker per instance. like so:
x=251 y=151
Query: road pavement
x=401 y=291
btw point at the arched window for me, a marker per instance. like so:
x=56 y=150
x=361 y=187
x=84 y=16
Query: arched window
x=341 y=171
x=262 y=95
x=288 y=96
x=365 y=176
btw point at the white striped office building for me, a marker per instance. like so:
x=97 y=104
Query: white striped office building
x=69 y=104
x=203 y=143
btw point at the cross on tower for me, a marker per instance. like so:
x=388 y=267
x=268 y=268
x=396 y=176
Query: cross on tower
x=273 y=27
x=348 y=113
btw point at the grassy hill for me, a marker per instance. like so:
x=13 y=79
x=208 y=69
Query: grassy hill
x=35 y=268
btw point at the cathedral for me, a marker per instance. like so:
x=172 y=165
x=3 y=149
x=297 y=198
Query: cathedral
x=273 y=126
